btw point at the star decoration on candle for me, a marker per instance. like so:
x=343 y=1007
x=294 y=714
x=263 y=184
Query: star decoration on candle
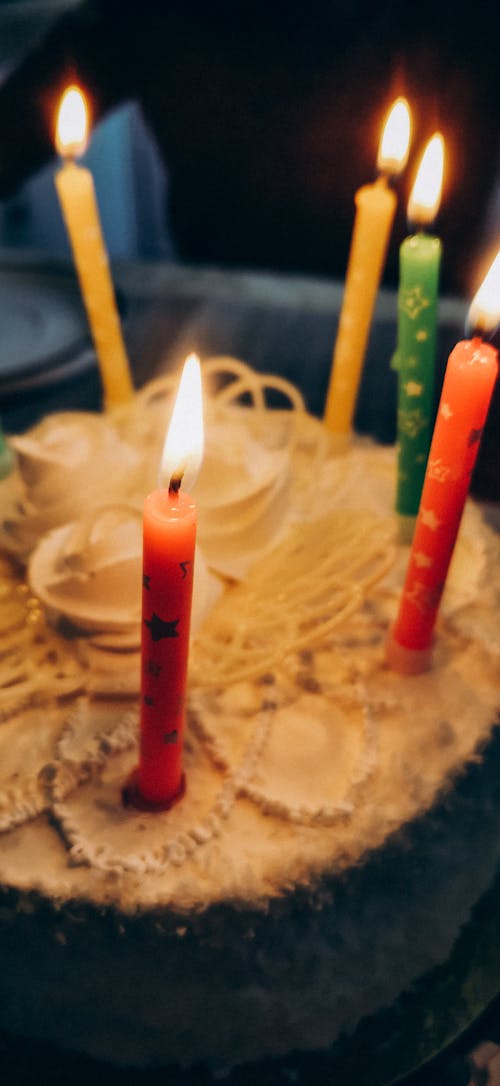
x=422 y=560
x=159 y=628
x=424 y=596
x=429 y=519
x=439 y=471
x=413 y=388
x=422 y=335
x=411 y=422
x=420 y=596
x=170 y=737
x=146 y=581
x=474 y=437
x=413 y=302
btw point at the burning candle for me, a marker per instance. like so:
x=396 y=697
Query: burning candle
x=75 y=188
x=375 y=209
x=419 y=263
x=468 y=386
x=169 y=536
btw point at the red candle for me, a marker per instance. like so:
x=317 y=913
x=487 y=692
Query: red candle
x=469 y=381
x=169 y=537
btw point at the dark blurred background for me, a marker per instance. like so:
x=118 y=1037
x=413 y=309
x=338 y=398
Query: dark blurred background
x=237 y=133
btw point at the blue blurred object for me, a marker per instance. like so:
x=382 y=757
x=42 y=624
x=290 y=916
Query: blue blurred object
x=130 y=186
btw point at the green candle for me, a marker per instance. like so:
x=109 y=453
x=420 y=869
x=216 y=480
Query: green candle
x=6 y=456
x=419 y=267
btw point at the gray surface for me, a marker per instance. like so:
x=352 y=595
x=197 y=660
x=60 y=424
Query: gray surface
x=281 y=324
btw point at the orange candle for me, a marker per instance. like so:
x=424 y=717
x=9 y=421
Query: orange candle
x=375 y=209
x=169 y=537
x=468 y=386
x=75 y=188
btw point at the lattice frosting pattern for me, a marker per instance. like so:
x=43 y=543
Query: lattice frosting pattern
x=67 y=741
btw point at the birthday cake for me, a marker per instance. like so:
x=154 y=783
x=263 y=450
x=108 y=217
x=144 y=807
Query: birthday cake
x=340 y=820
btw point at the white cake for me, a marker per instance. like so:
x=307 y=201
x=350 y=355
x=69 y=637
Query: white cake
x=340 y=821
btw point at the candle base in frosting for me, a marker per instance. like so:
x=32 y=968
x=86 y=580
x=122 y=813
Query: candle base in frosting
x=132 y=797
x=340 y=443
x=7 y=459
x=408 y=661
x=406 y=527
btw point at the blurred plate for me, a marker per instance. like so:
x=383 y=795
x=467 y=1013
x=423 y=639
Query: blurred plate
x=47 y=358
x=42 y=324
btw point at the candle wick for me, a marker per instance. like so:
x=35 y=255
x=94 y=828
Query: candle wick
x=416 y=227
x=69 y=155
x=479 y=330
x=384 y=176
x=474 y=331
x=387 y=177
x=175 y=483
x=420 y=226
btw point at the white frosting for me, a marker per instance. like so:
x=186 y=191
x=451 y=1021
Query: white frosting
x=67 y=466
x=91 y=573
x=72 y=509
x=242 y=494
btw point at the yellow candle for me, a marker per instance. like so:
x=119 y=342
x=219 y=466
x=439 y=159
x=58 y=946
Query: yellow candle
x=75 y=188
x=375 y=210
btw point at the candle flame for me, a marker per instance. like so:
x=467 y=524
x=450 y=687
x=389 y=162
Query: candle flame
x=425 y=195
x=395 y=142
x=183 y=450
x=484 y=312
x=72 y=123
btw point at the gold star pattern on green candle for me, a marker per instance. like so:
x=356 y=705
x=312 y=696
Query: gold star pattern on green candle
x=413 y=388
x=416 y=345
x=411 y=422
x=413 y=302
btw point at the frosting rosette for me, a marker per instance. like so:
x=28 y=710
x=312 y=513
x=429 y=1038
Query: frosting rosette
x=67 y=465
